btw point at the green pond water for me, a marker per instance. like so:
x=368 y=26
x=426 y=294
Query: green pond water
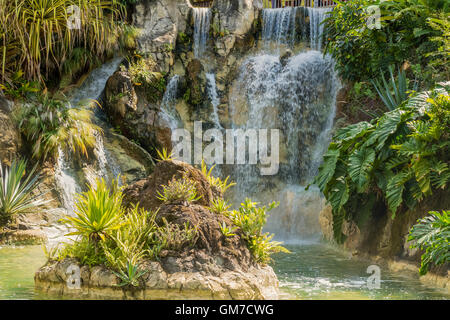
x=311 y=271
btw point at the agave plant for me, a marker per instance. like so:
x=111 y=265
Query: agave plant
x=98 y=212
x=16 y=188
x=392 y=93
x=130 y=276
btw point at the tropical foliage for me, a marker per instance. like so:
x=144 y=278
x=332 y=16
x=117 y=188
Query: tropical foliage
x=120 y=238
x=49 y=124
x=409 y=30
x=221 y=185
x=398 y=158
x=16 y=190
x=251 y=219
x=179 y=189
x=39 y=36
x=98 y=211
x=432 y=234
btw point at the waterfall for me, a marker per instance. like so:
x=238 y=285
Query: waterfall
x=214 y=98
x=202 y=19
x=67 y=181
x=168 y=112
x=279 y=24
x=316 y=16
x=299 y=98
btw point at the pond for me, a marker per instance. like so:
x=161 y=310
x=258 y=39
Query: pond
x=311 y=271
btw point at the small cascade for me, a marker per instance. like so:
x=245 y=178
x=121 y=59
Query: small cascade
x=169 y=113
x=214 y=98
x=279 y=25
x=299 y=98
x=316 y=16
x=67 y=181
x=202 y=20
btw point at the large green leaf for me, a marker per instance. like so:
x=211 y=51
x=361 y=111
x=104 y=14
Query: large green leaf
x=327 y=168
x=360 y=165
x=338 y=194
x=352 y=131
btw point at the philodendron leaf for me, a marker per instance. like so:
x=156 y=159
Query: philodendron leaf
x=360 y=165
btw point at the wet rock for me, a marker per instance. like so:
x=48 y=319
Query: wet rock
x=196 y=82
x=130 y=111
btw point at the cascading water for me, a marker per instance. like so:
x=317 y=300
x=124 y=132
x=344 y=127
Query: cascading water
x=202 y=19
x=279 y=25
x=168 y=111
x=298 y=96
x=214 y=98
x=66 y=179
x=316 y=16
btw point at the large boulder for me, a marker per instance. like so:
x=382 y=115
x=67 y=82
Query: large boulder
x=160 y=22
x=133 y=114
x=145 y=192
x=211 y=266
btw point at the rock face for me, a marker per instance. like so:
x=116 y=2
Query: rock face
x=212 y=267
x=9 y=136
x=160 y=22
x=129 y=110
x=381 y=235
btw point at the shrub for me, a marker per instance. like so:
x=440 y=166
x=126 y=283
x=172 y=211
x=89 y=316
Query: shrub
x=405 y=35
x=49 y=124
x=183 y=189
x=16 y=190
x=251 y=220
x=394 y=92
x=399 y=157
x=432 y=234
x=219 y=206
x=98 y=212
x=142 y=73
x=35 y=37
x=223 y=186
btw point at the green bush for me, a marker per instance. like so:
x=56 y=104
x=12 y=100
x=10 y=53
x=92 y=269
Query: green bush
x=16 y=190
x=405 y=35
x=398 y=158
x=182 y=190
x=98 y=212
x=35 y=37
x=48 y=124
x=142 y=73
x=432 y=234
x=251 y=220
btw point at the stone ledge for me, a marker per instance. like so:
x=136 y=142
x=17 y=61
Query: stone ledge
x=100 y=283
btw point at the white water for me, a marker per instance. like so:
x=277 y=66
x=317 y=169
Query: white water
x=279 y=25
x=202 y=20
x=65 y=176
x=316 y=16
x=298 y=97
x=214 y=98
x=168 y=112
